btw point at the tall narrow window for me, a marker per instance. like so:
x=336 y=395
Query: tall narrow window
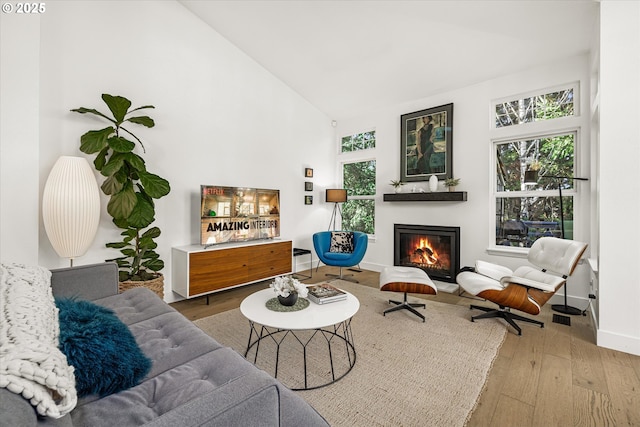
x=359 y=179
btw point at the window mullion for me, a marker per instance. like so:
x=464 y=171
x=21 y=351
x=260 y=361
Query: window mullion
x=539 y=193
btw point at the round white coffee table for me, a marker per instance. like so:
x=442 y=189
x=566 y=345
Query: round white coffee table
x=313 y=329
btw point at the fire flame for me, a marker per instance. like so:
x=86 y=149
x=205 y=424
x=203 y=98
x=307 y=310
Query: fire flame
x=425 y=252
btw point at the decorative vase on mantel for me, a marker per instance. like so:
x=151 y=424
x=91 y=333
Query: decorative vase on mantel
x=290 y=300
x=433 y=183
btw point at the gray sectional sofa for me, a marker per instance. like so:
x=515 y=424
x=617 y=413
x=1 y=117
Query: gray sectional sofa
x=194 y=381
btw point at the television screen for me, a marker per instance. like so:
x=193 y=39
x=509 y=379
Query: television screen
x=235 y=214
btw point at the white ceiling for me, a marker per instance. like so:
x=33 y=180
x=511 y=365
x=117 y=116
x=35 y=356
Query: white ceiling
x=350 y=57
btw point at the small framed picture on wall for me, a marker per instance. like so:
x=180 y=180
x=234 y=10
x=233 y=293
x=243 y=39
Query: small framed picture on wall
x=308 y=186
x=308 y=200
x=308 y=172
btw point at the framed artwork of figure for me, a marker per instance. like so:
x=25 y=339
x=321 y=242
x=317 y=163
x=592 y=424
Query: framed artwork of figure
x=426 y=141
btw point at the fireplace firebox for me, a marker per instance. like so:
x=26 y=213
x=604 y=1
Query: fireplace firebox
x=434 y=249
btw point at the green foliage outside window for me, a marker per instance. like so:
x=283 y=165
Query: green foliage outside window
x=360 y=141
x=360 y=178
x=554 y=156
x=358 y=213
x=535 y=108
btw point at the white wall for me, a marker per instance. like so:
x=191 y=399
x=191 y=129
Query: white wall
x=221 y=119
x=471 y=151
x=19 y=85
x=619 y=253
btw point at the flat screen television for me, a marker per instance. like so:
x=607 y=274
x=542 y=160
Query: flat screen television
x=236 y=214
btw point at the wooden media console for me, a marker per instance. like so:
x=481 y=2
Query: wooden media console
x=196 y=271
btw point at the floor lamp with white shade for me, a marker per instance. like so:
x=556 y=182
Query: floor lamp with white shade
x=71 y=207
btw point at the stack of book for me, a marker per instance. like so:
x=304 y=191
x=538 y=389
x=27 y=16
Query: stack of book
x=324 y=293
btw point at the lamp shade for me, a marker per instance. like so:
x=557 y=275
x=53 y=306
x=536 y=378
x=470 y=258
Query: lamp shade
x=531 y=177
x=336 y=195
x=71 y=206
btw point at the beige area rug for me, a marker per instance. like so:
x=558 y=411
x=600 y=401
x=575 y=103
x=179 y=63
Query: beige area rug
x=407 y=373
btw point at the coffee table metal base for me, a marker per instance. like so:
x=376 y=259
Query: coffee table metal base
x=334 y=336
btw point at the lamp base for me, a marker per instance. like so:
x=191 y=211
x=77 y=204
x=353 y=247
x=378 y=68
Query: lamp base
x=566 y=309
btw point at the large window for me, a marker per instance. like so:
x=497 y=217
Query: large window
x=359 y=179
x=531 y=165
x=526 y=211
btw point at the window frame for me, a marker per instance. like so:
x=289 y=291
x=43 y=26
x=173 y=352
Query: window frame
x=358 y=156
x=340 y=143
x=575 y=86
x=527 y=131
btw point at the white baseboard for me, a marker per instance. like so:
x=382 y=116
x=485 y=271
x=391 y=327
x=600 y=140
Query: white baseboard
x=618 y=342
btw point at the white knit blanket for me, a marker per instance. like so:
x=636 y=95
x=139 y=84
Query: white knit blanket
x=30 y=362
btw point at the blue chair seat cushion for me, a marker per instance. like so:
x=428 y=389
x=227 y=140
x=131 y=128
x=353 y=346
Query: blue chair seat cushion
x=337 y=256
x=341 y=242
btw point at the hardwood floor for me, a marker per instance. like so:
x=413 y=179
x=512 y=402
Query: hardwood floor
x=551 y=376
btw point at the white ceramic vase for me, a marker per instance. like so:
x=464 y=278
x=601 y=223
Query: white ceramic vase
x=433 y=183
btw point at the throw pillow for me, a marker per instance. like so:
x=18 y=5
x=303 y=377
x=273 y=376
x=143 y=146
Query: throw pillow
x=100 y=347
x=341 y=242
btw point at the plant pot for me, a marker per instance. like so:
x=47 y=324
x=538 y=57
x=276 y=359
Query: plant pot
x=156 y=285
x=397 y=189
x=452 y=188
x=288 y=301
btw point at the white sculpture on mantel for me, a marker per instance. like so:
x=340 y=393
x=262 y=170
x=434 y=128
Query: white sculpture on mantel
x=433 y=183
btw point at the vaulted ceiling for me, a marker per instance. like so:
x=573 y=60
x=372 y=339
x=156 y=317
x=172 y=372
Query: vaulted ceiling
x=350 y=57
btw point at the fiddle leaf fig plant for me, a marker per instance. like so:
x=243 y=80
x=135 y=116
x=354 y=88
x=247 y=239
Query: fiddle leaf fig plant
x=130 y=186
